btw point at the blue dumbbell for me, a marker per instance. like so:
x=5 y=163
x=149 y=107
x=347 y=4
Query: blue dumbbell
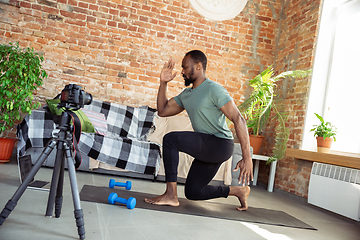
x=130 y=203
x=126 y=185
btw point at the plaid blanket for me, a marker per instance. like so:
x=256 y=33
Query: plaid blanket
x=125 y=145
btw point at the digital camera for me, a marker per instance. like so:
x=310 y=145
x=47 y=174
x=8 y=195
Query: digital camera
x=72 y=97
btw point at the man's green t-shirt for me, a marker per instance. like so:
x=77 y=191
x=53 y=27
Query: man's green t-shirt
x=203 y=107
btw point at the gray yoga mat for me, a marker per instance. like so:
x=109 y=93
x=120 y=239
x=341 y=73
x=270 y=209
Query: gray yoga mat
x=197 y=208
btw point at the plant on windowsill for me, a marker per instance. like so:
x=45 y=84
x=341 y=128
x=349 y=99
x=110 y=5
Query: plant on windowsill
x=262 y=100
x=325 y=134
x=20 y=75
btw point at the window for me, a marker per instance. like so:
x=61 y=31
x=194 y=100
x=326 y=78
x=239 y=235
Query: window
x=335 y=84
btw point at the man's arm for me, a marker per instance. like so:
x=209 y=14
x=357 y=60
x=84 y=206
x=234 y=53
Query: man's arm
x=167 y=107
x=246 y=166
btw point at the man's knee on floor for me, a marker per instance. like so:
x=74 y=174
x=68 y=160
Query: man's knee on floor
x=192 y=193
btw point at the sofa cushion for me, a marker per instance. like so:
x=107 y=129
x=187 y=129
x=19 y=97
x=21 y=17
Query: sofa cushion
x=98 y=121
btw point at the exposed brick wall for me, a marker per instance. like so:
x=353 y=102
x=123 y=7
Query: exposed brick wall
x=116 y=49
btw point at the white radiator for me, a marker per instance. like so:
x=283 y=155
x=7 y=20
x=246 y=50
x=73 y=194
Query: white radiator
x=336 y=189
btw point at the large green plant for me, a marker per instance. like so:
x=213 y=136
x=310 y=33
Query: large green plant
x=262 y=101
x=324 y=129
x=20 y=75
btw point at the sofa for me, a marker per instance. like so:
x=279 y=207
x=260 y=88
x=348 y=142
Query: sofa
x=99 y=157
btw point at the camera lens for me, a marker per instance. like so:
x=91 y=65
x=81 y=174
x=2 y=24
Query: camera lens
x=87 y=98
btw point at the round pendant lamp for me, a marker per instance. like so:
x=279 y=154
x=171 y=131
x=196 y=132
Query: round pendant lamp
x=218 y=10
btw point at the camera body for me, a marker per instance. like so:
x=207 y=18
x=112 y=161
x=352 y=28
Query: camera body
x=73 y=97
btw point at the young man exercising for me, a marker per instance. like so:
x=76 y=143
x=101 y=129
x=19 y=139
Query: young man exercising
x=207 y=104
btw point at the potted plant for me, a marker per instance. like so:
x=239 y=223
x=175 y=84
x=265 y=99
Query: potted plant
x=20 y=75
x=262 y=101
x=325 y=134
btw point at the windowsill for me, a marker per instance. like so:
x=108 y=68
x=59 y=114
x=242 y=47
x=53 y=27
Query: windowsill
x=344 y=159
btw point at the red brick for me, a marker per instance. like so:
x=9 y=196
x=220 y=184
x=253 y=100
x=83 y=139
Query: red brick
x=160 y=34
x=109 y=54
x=67 y=14
x=25 y=4
x=81 y=16
x=90 y=19
x=132 y=28
x=72 y=2
x=115 y=66
x=112 y=23
x=94 y=7
x=114 y=11
x=81 y=10
x=36 y=6
x=83 y=5
x=124 y=14
x=106 y=4
x=122 y=25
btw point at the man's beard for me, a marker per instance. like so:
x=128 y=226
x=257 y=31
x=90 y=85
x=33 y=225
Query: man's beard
x=190 y=79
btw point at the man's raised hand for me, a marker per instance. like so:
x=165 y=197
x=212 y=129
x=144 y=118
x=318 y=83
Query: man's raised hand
x=166 y=74
x=246 y=171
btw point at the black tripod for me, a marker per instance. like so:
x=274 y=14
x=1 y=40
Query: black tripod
x=63 y=141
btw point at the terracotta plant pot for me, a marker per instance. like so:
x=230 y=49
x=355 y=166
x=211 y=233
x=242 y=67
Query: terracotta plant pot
x=323 y=146
x=6 y=149
x=256 y=142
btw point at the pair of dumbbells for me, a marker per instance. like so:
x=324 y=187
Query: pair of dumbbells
x=113 y=197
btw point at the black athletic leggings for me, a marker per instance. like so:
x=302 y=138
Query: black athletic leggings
x=209 y=152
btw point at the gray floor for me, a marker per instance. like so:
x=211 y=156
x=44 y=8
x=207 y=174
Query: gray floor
x=107 y=222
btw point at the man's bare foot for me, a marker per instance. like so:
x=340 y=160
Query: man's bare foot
x=164 y=199
x=242 y=194
x=169 y=198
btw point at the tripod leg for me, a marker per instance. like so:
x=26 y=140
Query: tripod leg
x=75 y=194
x=13 y=201
x=55 y=177
x=59 y=197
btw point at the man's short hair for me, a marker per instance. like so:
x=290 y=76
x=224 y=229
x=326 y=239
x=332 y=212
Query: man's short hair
x=198 y=56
